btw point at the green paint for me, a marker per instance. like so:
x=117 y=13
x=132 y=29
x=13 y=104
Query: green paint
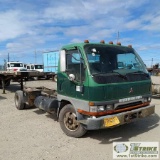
x=93 y=91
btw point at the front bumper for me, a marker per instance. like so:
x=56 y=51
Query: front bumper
x=117 y=119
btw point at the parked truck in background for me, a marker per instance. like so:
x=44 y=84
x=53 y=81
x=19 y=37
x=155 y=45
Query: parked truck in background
x=40 y=69
x=50 y=62
x=98 y=87
x=15 y=66
x=11 y=66
x=35 y=67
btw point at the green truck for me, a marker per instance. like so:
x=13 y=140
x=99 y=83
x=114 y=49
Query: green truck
x=99 y=86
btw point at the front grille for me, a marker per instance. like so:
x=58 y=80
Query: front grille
x=128 y=105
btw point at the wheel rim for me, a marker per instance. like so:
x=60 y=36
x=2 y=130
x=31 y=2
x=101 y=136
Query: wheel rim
x=70 y=121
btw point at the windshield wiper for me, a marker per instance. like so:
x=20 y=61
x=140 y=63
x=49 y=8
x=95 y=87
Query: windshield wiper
x=139 y=72
x=120 y=75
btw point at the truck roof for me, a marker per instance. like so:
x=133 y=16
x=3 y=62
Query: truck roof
x=73 y=45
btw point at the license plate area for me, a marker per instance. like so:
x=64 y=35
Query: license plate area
x=109 y=122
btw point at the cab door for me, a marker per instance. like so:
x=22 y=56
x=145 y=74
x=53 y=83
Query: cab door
x=74 y=67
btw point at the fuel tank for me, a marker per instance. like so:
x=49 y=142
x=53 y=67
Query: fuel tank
x=47 y=104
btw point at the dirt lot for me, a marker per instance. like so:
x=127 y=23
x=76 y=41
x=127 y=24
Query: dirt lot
x=32 y=134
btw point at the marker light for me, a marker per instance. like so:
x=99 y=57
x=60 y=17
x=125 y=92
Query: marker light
x=102 y=41
x=110 y=42
x=129 y=46
x=86 y=41
x=119 y=43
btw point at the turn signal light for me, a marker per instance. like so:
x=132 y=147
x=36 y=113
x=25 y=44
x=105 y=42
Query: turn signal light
x=91 y=104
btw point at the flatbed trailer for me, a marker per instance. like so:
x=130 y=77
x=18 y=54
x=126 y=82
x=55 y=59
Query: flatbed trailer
x=46 y=75
x=6 y=76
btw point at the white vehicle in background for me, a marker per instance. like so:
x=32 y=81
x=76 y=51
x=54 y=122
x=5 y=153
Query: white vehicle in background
x=15 y=66
x=25 y=65
x=40 y=69
x=35 y=67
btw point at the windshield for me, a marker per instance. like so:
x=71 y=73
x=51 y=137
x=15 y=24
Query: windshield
x=38 y=66
x=16 y=65
x=104 y=59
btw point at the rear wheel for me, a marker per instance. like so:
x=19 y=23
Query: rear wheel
x=69 y=124
x=19 y=100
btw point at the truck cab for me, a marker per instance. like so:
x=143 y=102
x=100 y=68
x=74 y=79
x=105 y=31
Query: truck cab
x=35 y=67
x=15 y=66
x=101 y=84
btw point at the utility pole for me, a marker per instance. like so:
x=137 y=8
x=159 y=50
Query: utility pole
x=152 y=63
x=8 y=57
x=118 y=36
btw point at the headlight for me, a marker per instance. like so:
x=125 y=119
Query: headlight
x=101 y=108
x=97 y=108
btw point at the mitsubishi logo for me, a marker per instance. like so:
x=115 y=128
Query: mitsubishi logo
x=131 y=90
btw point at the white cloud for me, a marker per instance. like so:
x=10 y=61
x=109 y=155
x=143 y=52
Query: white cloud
x=76 y=40
x=134 y=24
x=10 y=25
x=49 y=24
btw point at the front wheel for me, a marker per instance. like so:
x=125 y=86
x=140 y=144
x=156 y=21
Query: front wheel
x=68 y=122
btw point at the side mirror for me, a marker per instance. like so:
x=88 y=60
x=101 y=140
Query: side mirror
x=71 y=77
x=62 y=60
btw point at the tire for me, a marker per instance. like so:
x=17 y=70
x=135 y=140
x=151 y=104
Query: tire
x=69 y=124
x=19 y=100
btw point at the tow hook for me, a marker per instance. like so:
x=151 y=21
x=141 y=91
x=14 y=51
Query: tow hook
x=130 y=117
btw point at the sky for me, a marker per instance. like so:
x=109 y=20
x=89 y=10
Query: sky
x=30 y=27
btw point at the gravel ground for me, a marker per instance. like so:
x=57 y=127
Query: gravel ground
x=32 y=134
